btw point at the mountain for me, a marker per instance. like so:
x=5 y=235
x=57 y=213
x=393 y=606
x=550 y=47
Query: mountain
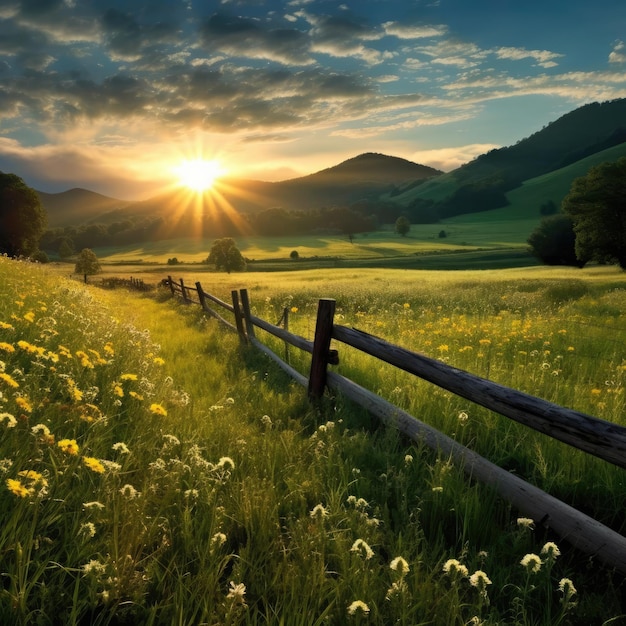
x=485 y=182
x=77 y=206
x=366 y=176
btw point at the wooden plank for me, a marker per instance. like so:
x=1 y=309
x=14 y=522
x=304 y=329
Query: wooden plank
x=578 y=529
x=245 y=304
x=299 y=378
x=238 y=316
x=321 y=345
x=601 y=438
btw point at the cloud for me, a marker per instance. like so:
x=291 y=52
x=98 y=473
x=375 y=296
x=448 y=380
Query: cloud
x=417 y=31
x=618 y=54
x=544 y=58
x=448 y=159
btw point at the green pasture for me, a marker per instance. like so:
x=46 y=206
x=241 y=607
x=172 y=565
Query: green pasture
x=155 y=471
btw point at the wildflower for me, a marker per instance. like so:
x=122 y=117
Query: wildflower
x=108 y=348
x=24 y=404
x=5 y=465
x=452 y=567
x=128 y=377
x=237 y=592
x=18 y=489
x=319 y=511
x=229 y=401
x=93 y=464
x=408 y=459
x=8 y=380
x=75 y=392
x=361 y=547
x=87 y=529
x=69 y=446
x=158 y=360
x=84 y=359
x=34 y=477
x=525 y=522
x=94 y=567
x=6 y=326
x=158 y=409
x=10 y=420
x=93 y=505
x=480 y=580
x=443 y=347
x=294 y=309
x=531 y=562
x=190 y=494
x=111 y=466
x=134 y=394
x=120 y=447
x=129 y=492
x=358 y=605
x=397 y=588
x=266 y=420
x=226 y=461
x=566 y=587
x=463 y=416
x=406 y=305
x=117 y=390
x=218 y=540
x=551 y=550
x=399 y=565
x=6 y=347
x=30 y=316
x=437 y=489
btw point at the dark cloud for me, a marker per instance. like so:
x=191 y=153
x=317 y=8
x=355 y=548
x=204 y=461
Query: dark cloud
x=37 y=7
x=247 y=37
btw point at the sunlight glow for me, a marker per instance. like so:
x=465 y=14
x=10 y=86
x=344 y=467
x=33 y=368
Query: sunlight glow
x=198 y=174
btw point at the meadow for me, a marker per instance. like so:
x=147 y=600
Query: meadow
x=157 y=472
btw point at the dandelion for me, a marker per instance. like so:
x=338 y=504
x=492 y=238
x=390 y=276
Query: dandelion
x=551 y=550
x=319 y=511
x=358 y=606
x=566 y=587
x=34 y=477
x=158 y=409
x=6 y=347
x=30 y=316
x=237 y=592
x=128 y=491
x=18 y=489
x=9 y=380
x=226 y=462
x=24 y=404
x=134 y=394
x=480 y=580
x=128 y=377
x=525 y=522
x=120 y=447
x=294 y=309
x=69 y=446
x=218 y=540
x=531 y=562
x=399 y=565
x=362 y=548
x=108 y=348
x=93 y=464
x=158 y=360
x=11 y=422
x=454 y=567
x=87 y=529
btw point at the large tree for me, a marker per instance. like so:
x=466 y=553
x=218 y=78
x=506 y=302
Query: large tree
x=225 y=255
x=22 y=218
x=403 y=226
x=597 y=205
x=87 y=263
x=554 y=241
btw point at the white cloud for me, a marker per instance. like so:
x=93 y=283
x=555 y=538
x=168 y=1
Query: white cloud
x=618 y=54
x=448 y=159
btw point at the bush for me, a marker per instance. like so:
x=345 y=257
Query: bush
x=294 y=256
x=554 y=241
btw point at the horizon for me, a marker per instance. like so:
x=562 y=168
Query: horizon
x=113 y=96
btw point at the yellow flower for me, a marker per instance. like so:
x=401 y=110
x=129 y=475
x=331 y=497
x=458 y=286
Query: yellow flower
x=134 y=394
x=158 y=360
x=7 y=347
x=24 y=404
x=93 y=464
x=29 y=317
x=6 y=326
x=158 y=409
x=35 y=477
x=18 y=489
x=8 y=380
x=75 y=392
x=69 y=446
x=117 y=390
x=84 y=359
x=294 y=309
x=128 y=377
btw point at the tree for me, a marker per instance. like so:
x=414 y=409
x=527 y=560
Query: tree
x=596 y=204
x=22 y=218
x=294 y=256
x=403 y=226
x=225 y=255
x=66 y=248
x=87 y=263
x=554 y=241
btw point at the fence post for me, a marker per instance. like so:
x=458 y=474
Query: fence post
x=286 y=326
x=238 y=317
x=183 y=290
x=321 y=345
x=245 y=303
x=201 y=296
x=171 y=284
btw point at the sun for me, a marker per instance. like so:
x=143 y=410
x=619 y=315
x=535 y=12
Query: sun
x=198 y=174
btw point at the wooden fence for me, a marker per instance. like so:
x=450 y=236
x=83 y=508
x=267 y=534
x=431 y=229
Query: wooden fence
x=595 y=436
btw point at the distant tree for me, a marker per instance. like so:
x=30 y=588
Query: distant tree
x=173 y=261
x=87 y=263
x=225 y=255
x=294 y=256
x=548 y=208
x=403 y=226
x=22 y=218
x=442 y=234
x=554 y=242
x=66 y=248
x=40 y=257
x=596 y=204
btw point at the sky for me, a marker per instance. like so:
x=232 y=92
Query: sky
x=111 y=95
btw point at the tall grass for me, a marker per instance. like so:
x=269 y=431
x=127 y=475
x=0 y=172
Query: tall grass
x=155 y=472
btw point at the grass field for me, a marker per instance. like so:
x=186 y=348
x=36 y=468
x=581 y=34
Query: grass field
x=155 y=472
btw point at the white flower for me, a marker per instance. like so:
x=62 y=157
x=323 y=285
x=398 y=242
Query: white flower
x=226 y=461
x=129 y=492
x=358 y=605
x=94 y=567
x=120 y=447
x=361 y=547
x=551 y=550
x=531 y=562
x=88 y=529
x=479 y=579
x=237 y=592
x=566 y=586
x=319 y=511
x=399 y=565
x=452 y=566
x=525 y=522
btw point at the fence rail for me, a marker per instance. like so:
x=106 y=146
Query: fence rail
x=590 y=434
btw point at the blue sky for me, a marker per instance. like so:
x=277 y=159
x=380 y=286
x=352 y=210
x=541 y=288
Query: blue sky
x=111 y=94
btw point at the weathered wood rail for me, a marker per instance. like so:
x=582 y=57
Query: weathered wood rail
x=592 y=435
